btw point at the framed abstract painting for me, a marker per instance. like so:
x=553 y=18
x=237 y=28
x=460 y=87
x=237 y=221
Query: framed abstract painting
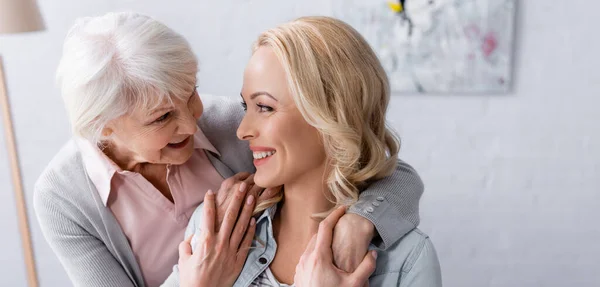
x=438 y=46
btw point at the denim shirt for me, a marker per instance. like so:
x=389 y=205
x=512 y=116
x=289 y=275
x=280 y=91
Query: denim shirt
x=412 y=261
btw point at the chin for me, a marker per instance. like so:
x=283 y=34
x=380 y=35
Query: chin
x=265 y=181
x=180 y=158
x=177 y=162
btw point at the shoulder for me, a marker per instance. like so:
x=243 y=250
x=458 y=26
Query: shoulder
x=220 y=119
x=219 y=123
x=60 y=170
x=62 y=178
x=414 y=247
x=217 y=102
x=220 y=112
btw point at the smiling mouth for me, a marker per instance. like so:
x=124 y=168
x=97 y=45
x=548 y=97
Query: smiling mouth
x=180 y=144
x=262 y=154
x=261 y=157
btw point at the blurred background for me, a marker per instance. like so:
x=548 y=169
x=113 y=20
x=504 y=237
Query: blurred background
x=512 y=180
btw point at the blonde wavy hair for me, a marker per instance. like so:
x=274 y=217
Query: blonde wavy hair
x=341 y=89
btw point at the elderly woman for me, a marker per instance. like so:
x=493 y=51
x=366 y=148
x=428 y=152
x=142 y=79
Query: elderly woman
x=115 y=201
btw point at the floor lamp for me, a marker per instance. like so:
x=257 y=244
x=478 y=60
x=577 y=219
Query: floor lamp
x=18 y=16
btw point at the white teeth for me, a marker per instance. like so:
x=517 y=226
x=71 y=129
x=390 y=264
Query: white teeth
x=179 y=141
x=261 y=155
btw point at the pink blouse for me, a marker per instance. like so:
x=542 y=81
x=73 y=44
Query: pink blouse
x=153 y=225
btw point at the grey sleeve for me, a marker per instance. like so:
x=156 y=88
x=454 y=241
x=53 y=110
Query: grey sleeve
x=85 y=257
x=392 y=204
x=425 y=271
x=192 y=227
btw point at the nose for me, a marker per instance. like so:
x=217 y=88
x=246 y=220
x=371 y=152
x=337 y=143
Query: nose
x=247 y=130
x=188 y=124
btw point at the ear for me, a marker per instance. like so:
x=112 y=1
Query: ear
x=107 y=131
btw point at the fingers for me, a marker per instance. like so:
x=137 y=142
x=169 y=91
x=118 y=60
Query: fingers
x=309 y=249
x=242 y=222
x=226 y=186
x=265 y=194
x=228 y=183
x=366 y=267
x=305 y=260
x=269 y=193
x=208 y=220
x=185 y=248
x=232 y=212
x=325 y=233
x=241 y=176
x=257 y=192
x=311 y=244
x=246 y=243
x=249 y=180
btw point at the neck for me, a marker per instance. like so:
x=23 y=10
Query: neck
x=123 y=157
x=294 y=224
x=301 y=200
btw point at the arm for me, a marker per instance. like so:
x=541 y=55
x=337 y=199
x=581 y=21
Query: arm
x=391 y=204
x=85 y=258
x=425 y=271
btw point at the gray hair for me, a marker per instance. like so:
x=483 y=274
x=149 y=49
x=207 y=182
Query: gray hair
x=119 y=62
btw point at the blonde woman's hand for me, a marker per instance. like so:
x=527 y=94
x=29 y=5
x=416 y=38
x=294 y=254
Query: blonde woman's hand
x=219 y=254
x=316 y=267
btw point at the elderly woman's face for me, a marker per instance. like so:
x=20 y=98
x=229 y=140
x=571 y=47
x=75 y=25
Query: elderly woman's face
x=284 y=145
x=161 y=136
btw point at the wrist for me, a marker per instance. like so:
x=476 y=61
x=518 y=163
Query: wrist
x=361 y=225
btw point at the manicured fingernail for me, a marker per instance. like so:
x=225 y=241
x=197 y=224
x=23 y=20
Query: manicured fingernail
x=252 y=221
x=250 y=199
x=243 y=187
x=210 y=192
x=374 y=254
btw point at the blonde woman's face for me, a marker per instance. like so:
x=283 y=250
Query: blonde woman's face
x=285 y=147
x=161 y=136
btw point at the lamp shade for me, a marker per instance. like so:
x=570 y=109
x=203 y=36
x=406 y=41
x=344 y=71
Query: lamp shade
x=18 y=16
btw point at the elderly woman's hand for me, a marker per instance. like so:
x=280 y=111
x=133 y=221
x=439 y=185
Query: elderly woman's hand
x=351 y=238
x=219 y=253
x=316 y=267
x=244 y=182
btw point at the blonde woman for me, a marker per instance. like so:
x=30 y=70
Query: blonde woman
x=315 y=97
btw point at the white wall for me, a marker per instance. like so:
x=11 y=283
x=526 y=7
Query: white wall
x=512 y=181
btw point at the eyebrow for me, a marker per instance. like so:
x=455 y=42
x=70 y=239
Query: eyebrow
x=261 y=93
x=161 y=110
